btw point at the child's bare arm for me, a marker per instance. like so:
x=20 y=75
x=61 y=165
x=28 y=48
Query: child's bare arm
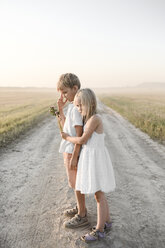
x=76 y=151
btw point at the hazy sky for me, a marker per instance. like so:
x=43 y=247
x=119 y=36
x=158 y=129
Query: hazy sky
x=104 y=42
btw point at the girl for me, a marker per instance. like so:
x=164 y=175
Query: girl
x=95 y=172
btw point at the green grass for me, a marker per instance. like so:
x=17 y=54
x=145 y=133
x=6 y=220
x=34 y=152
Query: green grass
x=144 y=110
x=21 y=109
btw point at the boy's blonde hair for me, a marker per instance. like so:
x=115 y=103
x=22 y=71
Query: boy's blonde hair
x=68 y=80
x=89 y=102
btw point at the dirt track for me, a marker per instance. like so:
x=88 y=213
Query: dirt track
x=34 y=191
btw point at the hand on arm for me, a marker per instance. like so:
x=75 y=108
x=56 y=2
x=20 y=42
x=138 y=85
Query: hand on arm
x=64 y=135
x=91 y=126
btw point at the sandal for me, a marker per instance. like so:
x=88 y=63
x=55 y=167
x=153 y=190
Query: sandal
x=71 y=212
x=107 y=227
x=93 y=236
x=76 y=221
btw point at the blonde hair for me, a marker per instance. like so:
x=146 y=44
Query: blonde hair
x=68 y=80
x=88 y=100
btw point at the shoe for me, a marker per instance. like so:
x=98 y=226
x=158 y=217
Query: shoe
x=107 y=227
x=93 y=236
x=71 y=212
x=76 y=221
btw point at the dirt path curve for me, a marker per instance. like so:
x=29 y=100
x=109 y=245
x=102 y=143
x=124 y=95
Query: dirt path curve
x=34 y=191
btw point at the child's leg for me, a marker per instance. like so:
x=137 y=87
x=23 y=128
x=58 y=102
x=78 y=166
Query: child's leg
x=71 y=181
x=80 y=198
x=101 y=210
x=71 y=174
x=80 y=203
x=102 y=217
x=79 y=219
x=108 y=219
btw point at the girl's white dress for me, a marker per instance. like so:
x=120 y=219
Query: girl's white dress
x=95 y=171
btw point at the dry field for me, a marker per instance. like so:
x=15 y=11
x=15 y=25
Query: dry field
x=144 y=108
x=21 y=108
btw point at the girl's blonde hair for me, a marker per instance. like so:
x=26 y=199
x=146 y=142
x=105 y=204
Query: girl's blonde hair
x=68 y=80
x=89 y=102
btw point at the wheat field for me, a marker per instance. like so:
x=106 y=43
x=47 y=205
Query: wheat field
x=143 y=108
x=22 y=108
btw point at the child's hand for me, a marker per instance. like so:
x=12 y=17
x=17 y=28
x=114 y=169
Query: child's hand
x=64 y=135
x=73 y=163
x=61 y=102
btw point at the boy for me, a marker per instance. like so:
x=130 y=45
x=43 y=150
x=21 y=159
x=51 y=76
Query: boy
x=72 y=123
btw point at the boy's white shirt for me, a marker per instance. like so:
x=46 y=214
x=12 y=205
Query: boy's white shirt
x=73 y=118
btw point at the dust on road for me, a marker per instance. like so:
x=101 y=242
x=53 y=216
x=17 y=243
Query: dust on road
x=34 y=192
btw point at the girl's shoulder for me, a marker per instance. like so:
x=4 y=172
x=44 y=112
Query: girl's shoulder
x=94 y=119
x=94 y=124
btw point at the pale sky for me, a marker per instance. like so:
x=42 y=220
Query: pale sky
x=106 y=43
